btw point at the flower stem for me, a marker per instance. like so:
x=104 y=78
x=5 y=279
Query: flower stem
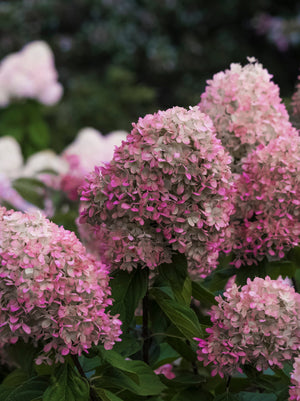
x=145 y=329
x=228 y=383
x=93 y=394
x=294 y=284
x=194 y=365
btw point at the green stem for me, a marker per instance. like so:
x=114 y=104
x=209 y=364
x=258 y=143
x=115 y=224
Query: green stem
x=228 y=383
x=294 y=284
x=145 y=328
x=93 y=394
x=194 y=365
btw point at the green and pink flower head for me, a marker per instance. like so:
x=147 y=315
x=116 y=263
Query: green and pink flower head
x=168 y=188
x=258 y=324
x=267 y=218
x=51 y=291
x=245 y=107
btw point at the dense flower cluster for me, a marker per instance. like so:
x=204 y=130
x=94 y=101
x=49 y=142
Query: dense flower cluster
x=267 y=218
x=258 y=325
x=50 y=289
x=30 y=73
x=295 y=380
x=168 y=187
x=245 y=107
x=89 y=149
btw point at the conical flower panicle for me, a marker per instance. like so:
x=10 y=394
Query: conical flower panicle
x=246 y=109
x=51 y=290
x=267 y=218
x=168 y=188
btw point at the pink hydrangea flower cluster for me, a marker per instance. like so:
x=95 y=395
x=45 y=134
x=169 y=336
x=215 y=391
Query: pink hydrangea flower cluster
x=89 y=149
x=168 y=188
x=30 y=73
x=245 y=107
x=258 y=325
x=51 y=290
x=295 y=380
x=267 y=218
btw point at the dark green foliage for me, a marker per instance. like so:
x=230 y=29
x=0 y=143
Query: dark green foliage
x=24 y=121
x=120 y=59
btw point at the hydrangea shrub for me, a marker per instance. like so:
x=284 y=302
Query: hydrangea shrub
x=192 y=232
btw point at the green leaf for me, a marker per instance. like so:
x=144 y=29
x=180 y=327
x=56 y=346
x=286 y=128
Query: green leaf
x=238 y=384
x=23 y=355
x=247 y=396
x=89 y=364
x=184 y=318
x=203 y=295
x=185 y=380
x=294 y=256
x=182 y=348
x=128 y=346
x=219 y=277
x=127 y=290
x=149 y=383
x=226 y=397
x=107 y=395
x=29 y=181
x=283 y=395
x=15 y=378
x=269 y=383
x=136 y=376
x=176 y=275
x=287 y=369
x=31 y=190
x=193 y=394
x=38 y=134
x=285 y=373
x=166 y=355
x=119 y=362
x=281 y=268
x=26 y=391
x=44 y=369
x=67 y=385
x=245 y=272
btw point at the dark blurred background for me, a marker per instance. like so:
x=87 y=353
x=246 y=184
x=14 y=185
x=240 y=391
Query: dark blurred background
x=121 y=59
